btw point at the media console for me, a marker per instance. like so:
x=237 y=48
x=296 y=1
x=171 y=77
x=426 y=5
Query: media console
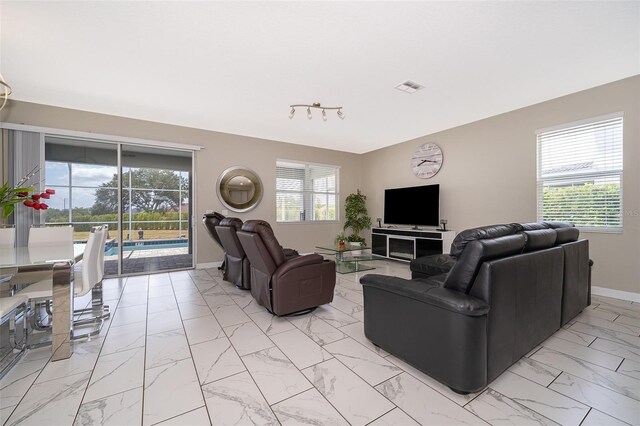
x=407 y=244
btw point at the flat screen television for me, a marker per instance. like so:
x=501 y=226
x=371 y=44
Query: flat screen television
x=414 y=205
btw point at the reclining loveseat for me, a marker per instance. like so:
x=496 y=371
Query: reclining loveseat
x=464 y=318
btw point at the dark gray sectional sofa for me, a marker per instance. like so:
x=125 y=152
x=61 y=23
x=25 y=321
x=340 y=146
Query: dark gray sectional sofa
x=464 y=318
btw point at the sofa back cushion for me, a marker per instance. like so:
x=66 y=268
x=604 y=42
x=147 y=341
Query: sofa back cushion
x=566 y=235
x=268 y=239
x=533 y=226
x=227 y=232
x=539 y=239
x=492 y=231
x=556 y=225
x=463 y=273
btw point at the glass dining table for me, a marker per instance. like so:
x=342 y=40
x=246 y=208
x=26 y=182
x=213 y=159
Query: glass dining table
x=22 y=265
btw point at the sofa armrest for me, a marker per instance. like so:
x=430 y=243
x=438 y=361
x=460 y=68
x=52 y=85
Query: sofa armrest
x=429 y=292
x=297 y=262
x=290 y=253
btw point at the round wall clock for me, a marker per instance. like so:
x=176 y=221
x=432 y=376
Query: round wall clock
x=427 y=160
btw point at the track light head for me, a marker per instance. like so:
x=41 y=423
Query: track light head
x=309 y=116
x=340 y=114
x=324 y=115
x=292 y=113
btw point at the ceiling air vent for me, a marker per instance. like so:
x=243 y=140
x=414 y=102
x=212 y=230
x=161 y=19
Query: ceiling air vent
x=409 y=86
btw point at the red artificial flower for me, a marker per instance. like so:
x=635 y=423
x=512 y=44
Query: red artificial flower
x=28 y=203
x=23 y=194
x=43 y=206
x=45 y=195
x=35 y=197
x=50 y=191
x=36 y=205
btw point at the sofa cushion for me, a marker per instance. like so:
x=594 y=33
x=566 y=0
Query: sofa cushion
x=533 y=226
x=269 y=240
x=557 y=225
x=539 y=239
x=463 y=273
x=428 y=266
x=566 y=235
x=493 y=231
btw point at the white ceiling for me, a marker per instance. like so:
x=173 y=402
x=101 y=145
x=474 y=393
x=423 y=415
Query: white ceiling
x=236 y=66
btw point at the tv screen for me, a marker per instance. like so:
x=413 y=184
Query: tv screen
x=415 y=205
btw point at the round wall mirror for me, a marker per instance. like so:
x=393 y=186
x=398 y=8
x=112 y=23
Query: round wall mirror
x=239 y=189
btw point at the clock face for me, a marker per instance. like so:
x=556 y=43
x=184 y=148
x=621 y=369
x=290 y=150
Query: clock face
x=427 y=160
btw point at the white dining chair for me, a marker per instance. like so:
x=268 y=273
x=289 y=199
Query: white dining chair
x=89 y=276
x=11 y=352
x=99 y=310
x=7 y=237
x=50 y=235
x=97 y=300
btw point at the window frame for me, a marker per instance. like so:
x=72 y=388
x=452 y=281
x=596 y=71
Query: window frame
x=308 y=194
x=585 y=176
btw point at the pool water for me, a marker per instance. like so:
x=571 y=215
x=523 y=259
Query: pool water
x=112 y=251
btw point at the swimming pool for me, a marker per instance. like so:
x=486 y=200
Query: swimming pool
x=145 y=245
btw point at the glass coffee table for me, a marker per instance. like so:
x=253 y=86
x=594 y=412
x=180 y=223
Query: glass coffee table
x=348 y=260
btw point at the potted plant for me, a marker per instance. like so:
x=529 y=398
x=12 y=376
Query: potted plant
x=340 y=241
x=356 y=217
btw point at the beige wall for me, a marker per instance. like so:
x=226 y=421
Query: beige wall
x=489 y=173
x=221 y=151
x=488 y=176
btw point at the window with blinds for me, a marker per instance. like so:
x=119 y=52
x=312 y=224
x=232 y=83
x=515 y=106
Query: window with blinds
x=580 y=175
x=306 y=192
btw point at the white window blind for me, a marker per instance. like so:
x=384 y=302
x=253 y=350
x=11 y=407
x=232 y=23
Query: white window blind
x=306 y=192
x=580 y=175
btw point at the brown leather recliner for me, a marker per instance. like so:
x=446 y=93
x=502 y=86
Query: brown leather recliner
x=237 y=265
x=210 y=221
x=280 y=284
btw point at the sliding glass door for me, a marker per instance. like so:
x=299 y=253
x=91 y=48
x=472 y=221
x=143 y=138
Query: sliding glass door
x=84 y=176
x=156 y=210
x=142 y=193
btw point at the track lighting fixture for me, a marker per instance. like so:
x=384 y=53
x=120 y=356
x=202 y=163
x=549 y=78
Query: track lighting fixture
x=318 y=106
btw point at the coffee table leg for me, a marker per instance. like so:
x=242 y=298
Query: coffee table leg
x=62 y=311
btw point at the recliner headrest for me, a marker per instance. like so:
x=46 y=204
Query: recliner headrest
x=233 y=222
x=492 y=231
x=214 y=215
x=254 y=225
x=539 y=239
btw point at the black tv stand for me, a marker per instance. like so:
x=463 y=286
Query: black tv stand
x=409 y=243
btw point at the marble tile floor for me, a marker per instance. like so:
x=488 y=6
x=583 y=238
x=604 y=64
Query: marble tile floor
x=187 y=348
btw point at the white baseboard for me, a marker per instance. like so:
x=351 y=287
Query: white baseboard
x=616 y=294
x=208 y=265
